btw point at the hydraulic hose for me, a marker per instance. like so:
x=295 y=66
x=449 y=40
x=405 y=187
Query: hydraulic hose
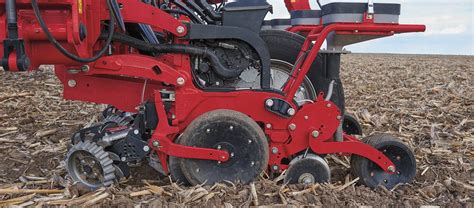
x=220 y=69
x=61 y=49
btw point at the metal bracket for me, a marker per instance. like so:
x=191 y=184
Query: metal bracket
x=370 y=10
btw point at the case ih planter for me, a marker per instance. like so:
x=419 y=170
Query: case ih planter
x=200 y=92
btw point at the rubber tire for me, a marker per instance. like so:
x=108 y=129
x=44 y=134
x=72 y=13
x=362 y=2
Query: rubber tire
x=286 y=46
x=177 y=175
x=360 y=166
x=351 y=125
x=260 y=153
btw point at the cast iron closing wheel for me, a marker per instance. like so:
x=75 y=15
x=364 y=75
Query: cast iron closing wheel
x=308 y=170
x=90 y=165
x=233 y=132
x=373 y=176
x=351 y=126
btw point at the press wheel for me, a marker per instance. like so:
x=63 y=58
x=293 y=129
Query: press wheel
x=308 y=170
x=373 y=176
x=233 y=132
x=351 y=125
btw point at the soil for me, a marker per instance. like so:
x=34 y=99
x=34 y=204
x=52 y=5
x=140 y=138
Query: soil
x=427 y=101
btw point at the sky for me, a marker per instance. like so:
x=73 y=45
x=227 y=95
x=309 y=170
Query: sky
x=450 y=28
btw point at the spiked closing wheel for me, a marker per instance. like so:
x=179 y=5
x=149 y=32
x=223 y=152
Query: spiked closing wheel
x=308 y=170
x=373 y=176
x=90 y=165
x=230 y=131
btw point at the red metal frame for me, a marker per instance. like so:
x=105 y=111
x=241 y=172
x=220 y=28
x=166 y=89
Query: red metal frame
x=120 y=80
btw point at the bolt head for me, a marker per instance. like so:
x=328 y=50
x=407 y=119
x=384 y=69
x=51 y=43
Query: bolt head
x=136 y=132
x=156 y=143
x=329 y=105
x=315 y=134
x=306 y=117
x=391 y=169
x=292 y=127
x=123 y=159
x=339 y=117
x=180 y=29
x=275 y=167
x=291 y=112
x=269 y=126
x=85 y=68
x=231 y=128
x=274 y=150
x=71 y=83
x=180 y=81
x=146 y=148
x=269 y=103
x=219 y=147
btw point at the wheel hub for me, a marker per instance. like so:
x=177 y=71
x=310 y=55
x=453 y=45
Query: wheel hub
x=230 y=131
x=308 y=170
x=90 y=165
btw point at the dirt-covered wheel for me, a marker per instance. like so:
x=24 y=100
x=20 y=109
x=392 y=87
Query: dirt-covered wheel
x=400 y=154
x=233 y=132
x=351 y=125
x=307 y=170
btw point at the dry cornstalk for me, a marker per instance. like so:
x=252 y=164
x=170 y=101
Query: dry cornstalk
x=16 y=200
x=16 y=95
x=47 y=132
x=347 y=184
x=253 y=190
x=30 y=191
x=140 y=193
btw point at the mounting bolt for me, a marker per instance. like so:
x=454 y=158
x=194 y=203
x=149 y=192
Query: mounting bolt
x=391 y=169
x=315 y=134
x=208 y=131
x=85 y=68
x=274 y=150
x=219 y=147
x=71 y=83
x=292 y=127
x=136 y=132
x=291 y=112
x=146 y=148
x=252 y=164
x=339 y=117
x=328 y=105
x=155 y=143
x=180 y=81
x=180 y=29
x=269 y=126
x=306 y=117
x=124 y=159
x=275 y=167
x=269 y=103
x=173 y=117
x=231 y=128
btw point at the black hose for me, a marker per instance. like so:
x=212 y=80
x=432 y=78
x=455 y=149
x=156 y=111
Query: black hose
x=220 y=69
x=61 y=49
x=319 y=4
x=10 y=8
